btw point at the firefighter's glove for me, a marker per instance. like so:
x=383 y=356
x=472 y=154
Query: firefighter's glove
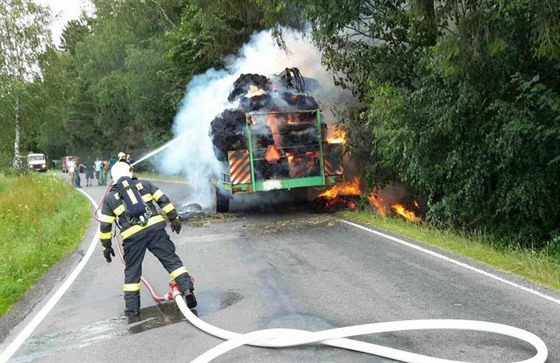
x=176 y=225
x=108 y=252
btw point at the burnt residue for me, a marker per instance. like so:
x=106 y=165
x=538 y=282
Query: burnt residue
x=324 y=204
x=191 y=211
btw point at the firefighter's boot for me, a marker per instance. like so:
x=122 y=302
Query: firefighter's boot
x=132 y=312
x=190 y=298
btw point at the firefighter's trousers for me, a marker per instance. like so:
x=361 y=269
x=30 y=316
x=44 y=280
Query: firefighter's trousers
x=157 y=241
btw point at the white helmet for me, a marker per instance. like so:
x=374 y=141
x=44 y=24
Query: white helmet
x=119 y=170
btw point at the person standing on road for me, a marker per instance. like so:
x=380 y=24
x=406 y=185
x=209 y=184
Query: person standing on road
x=104 y=173
x=112 y=162
x=77 y=169
x=98 y=166
x=71 y=165
x=90 y=170
x=141 y=233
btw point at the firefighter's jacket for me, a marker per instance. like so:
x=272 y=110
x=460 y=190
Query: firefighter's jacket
x=113 y=210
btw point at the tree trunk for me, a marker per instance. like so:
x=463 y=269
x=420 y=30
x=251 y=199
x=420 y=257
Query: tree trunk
x=425 y=24
x=17 y=162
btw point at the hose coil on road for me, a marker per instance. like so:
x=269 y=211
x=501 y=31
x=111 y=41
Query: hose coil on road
x=276 y=338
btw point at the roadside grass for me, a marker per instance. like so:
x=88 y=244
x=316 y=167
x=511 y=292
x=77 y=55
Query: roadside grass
x=537 y=267
x=42 y=220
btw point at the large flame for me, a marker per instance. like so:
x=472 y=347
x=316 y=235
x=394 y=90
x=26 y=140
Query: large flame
x=377 y=204
x=406 y=214
x=382 y=208
x=335 y=136
x=344 y=195
x=351 y=187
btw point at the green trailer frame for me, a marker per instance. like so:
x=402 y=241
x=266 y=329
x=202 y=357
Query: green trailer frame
x=330 y=172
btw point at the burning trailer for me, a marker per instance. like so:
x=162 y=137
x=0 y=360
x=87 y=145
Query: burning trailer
x=276 y=139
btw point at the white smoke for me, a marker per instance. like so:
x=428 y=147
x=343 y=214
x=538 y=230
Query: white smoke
x=206 y=97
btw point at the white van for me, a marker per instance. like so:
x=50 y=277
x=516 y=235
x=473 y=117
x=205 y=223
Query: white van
x=37 y=162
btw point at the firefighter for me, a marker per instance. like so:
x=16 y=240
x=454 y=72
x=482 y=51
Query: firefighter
x=139 y=236
x=122 y=157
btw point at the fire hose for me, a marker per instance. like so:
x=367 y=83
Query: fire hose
x=277 y=338
x=338 y=337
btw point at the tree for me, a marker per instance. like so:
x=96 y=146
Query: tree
x=75 y=32
x=23 y=37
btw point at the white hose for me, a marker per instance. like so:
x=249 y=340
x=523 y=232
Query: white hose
x=275 y=338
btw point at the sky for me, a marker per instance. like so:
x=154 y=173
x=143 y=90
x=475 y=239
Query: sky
x=63 y=11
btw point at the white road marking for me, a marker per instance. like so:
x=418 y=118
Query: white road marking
x=29 y=328
x=455 y=262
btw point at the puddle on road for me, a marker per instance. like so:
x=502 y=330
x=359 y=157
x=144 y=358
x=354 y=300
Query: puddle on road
x=150 y=318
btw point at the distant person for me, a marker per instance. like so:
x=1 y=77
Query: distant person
x=90 y=172
x=142 y=228
x=104 y=173
x=77 y=168
x=112 y=162
x=71 y=165
x=98 y=166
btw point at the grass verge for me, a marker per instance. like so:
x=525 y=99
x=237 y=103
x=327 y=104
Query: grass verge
x=43 y=220
x=539 y=268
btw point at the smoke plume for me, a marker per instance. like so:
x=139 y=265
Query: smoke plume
x=206 y=98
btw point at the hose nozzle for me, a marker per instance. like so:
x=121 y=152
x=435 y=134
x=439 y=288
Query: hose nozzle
x=174 y=291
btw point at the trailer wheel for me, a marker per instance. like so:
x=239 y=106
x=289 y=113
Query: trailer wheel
x=222 y=202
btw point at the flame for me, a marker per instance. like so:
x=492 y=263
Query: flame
x=335 y=136
x=406 y=214
x=348 y=188
x=382 y=209
x=377 y=204
x=254 y=91
x=274 y=122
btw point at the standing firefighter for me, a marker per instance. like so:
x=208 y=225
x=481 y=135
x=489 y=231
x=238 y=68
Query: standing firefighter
x=130 y=204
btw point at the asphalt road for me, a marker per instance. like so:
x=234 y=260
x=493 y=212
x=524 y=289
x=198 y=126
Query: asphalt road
x=280 y=267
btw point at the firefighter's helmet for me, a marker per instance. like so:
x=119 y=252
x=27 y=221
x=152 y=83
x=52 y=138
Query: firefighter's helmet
x=120 y=169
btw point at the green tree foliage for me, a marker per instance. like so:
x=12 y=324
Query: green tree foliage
x=123 y=93
x=23 y=38
x=372 y=39
x=74 y=33
x=480 y=137
x=54 y=92
x=469 y=118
